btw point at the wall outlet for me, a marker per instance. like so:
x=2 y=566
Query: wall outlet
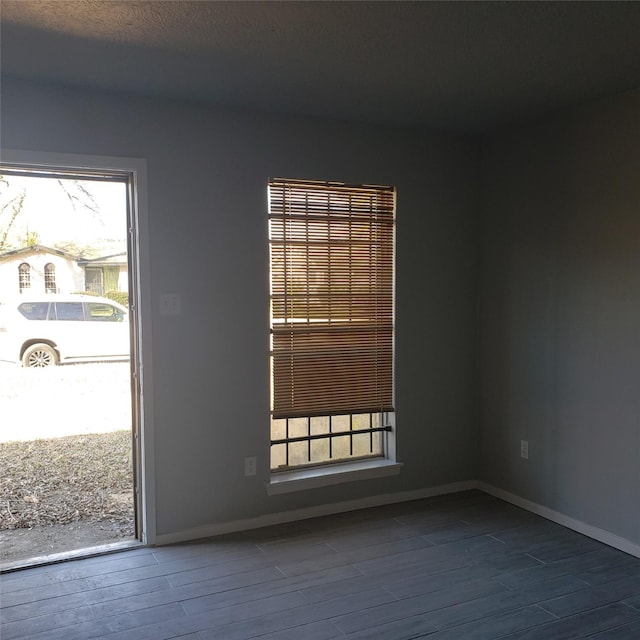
x=524 y=449
x=250 y=466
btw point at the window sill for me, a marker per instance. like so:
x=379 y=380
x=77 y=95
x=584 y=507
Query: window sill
x=302 y=479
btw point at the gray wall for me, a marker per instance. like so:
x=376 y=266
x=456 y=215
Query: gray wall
x=207 y=172
x=560 y=292
x=561 y=314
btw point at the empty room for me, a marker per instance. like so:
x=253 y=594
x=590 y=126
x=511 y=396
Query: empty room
x=383 y=266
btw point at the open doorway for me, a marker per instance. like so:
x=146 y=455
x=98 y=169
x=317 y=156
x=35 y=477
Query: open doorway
x=69 y=362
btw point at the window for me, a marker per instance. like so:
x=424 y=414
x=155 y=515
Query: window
x=332 y=263
x=104 y=312
x=34 y=310
x=50 y=278
x=24 y=277
x=69 y=311
x=94 y=280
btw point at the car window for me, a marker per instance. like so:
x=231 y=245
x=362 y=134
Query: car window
x=69 y=310
x=34 y=310
x=104 y=312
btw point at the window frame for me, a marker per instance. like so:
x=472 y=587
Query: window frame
x=373 y=218
x=50 y=278
x=24 y=276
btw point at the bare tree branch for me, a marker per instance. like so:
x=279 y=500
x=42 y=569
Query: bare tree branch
x=79 y=196
x=11 y=208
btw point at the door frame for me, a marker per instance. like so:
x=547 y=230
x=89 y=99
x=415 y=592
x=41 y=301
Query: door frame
x=134 y=173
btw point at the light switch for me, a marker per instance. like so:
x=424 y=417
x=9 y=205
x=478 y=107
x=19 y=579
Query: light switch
x=169 y=304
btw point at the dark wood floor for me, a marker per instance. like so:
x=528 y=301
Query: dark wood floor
x=463 y=567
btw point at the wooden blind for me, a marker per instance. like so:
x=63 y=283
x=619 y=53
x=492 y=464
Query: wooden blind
x=332 y=262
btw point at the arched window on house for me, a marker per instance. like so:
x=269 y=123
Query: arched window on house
x=50 y=278
x=24 y=277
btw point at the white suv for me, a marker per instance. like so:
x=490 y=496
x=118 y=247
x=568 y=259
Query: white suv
x=53 y=329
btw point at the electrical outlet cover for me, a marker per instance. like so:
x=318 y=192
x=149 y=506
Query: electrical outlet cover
x=250 y=466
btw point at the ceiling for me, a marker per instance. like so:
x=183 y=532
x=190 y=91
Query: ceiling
x=464 y=66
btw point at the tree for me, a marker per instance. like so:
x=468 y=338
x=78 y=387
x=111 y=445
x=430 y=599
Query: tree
x=12 y=205
x=79 y=196
x=74 y=248
x=13 y=196
x=32 y=238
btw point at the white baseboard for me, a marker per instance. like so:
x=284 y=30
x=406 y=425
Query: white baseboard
x=566 y=521
x=270 y=519
x=267 y=520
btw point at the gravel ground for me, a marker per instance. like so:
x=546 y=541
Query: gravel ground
x=64 y=480
x=65 y=454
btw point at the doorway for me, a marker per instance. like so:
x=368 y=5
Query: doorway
x=74 y=434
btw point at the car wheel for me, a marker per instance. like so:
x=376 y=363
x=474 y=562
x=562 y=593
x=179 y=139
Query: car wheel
x=40 y=355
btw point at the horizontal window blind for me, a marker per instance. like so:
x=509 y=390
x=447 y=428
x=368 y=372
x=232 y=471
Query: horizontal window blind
x=332 y=261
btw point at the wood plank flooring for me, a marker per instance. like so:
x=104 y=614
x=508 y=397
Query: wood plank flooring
x=461 y=567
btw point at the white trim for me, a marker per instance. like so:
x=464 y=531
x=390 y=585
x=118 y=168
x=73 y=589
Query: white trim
x=596 y=533
x=311 y=512
x=71 y=161
x=207 y=531
x=138 y=168
x=313 y=477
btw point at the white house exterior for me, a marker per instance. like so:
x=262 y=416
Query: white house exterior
x=40 y=269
